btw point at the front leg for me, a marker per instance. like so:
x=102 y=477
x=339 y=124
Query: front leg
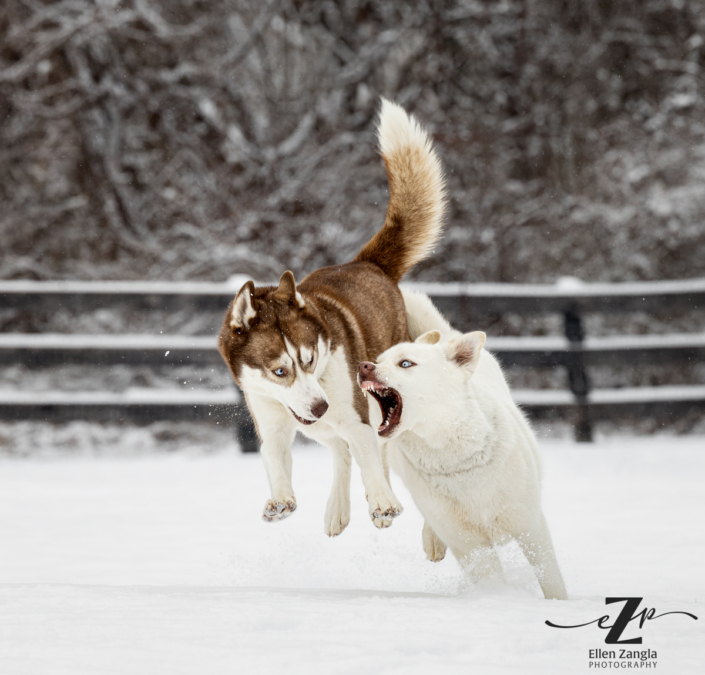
x=276 y=428
x=337 y=514
x=383 y=505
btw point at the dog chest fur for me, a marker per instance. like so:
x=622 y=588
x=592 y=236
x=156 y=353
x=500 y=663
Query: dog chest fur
x=473 y=470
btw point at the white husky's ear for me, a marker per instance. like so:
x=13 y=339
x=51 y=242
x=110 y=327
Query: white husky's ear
x=243 y=309
x=465 y=349
x=429 y=338
x=287 y=290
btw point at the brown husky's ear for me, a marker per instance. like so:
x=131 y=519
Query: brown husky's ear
x=287 y=290
x=465 y=349
x=430 y=338
x=243 y=309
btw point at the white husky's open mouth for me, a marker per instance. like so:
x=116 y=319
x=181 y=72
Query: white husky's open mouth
x=390 y=404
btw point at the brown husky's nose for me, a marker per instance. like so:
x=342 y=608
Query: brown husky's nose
x=366 y=369
x=319 y=409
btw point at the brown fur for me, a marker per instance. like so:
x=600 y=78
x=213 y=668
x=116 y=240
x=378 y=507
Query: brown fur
x=416 y=198
x=357 y=305
x=354 y=305
x=463 y=354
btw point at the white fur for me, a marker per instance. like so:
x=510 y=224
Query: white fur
x=398 y=130
x=339 y=429
x=423 y=316
x=343 y=432
x=466 y=454
x=277 y=429
x=306 y=355
x=415 y=178
x=243 y=311
x=303 y=394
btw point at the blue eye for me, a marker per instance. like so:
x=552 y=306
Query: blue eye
x=406 y=364
x=279 y=372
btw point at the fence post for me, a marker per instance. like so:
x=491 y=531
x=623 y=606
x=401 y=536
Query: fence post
x=245 y=431
x=577 y=375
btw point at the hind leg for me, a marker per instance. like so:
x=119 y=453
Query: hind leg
x=337 y=514
x=479 y=557
x=433 y=547
x=538 y=549
x=483 y=563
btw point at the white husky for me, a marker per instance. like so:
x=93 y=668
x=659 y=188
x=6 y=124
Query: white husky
x=450 y=429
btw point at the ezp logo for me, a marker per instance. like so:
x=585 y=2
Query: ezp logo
x=627 y=615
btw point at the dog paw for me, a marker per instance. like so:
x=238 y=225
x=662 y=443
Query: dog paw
x=433 y=547
x=382 y=523
x=383 y=511
x=337 y=517
x=278 y=509
x=335 y=523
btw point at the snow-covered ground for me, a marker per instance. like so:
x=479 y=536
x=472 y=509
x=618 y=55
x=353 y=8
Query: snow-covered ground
x=161 y=565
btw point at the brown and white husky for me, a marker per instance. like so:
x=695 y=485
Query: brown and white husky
x=294 y=350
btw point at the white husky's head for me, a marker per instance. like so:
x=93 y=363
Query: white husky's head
x=414 y=382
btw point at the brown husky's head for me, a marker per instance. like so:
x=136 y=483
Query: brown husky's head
x=276 y=345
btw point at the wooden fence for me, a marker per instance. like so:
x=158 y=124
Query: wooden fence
x=466 y=305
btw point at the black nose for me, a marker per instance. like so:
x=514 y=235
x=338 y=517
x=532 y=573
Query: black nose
x=366 y=369
x=319 y=409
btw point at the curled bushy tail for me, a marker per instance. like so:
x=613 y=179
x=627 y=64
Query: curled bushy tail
x=422 y=316
x=416 y=195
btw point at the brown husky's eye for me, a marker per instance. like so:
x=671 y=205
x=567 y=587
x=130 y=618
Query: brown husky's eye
x=280 y=372
x=237 y=331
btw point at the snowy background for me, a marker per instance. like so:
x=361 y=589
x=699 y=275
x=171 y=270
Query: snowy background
x=195 y=139
x=149 y=563
x=183 y=139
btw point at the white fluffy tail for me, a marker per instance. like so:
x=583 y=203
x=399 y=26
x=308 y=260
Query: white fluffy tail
x=416 y=195
x=423 y=316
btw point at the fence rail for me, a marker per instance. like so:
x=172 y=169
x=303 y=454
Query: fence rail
x=52 y=349
x=464 y=304
x=471 y=299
